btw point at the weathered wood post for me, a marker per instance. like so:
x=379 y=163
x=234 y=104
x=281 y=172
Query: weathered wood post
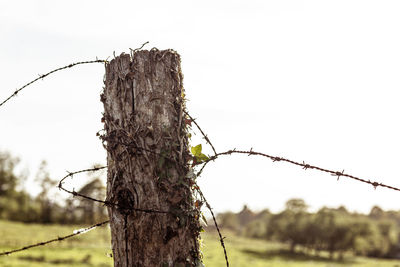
x=153 y=219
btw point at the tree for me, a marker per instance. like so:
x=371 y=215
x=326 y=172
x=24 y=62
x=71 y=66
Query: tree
x=291 y=224
x=376 y=238
x=245 y=216
x=258 y=227
x=8 y=179
x=229 y=220
x=296 y=205
x=47 y=206
x=335 y=231
x=15 y=203
x=153 y=218
x=377 y=213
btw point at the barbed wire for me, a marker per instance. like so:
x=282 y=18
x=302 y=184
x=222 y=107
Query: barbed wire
x=104 y=202
x=203 y=164
x=201 y=131
x=305 y=166
x=221 y=239
x=197 y=187
x=58 y=239
x=50 y=72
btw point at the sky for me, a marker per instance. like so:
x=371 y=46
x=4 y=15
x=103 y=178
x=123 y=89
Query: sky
x=313 y=81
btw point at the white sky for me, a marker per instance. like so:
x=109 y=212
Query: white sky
x=308 y=80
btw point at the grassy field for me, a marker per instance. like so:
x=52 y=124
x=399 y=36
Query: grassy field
x=93 y=249
x=257 y=253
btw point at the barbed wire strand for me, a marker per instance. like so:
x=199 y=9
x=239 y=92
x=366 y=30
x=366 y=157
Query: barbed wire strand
x=197 y=188
x=201 y=131
x=305 y=166
x=51 y=72
x=105 y=202
x=58 y=239
x=221 y=239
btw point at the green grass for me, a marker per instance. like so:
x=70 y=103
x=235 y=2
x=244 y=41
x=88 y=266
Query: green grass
x=244 y=252
x=93 y=248
x=90 y=249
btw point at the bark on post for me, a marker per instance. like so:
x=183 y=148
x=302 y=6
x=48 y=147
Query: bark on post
x=154 y=221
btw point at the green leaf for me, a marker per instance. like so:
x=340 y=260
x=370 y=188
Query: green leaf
x=196 y=150
x=202 y=157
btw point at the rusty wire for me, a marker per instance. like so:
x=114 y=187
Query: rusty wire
x=47 y=74
x=305 y=166
x=105 y=202
x=58 y=239
x=201 y=131
x=221 y=239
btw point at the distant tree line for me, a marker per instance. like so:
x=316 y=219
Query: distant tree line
x=17 y=204
x=333 y=230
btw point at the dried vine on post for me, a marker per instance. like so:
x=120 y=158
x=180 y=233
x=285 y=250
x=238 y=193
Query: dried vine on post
x=143 y=112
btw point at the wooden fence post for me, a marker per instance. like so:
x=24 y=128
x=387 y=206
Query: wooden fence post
x=153 y=218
